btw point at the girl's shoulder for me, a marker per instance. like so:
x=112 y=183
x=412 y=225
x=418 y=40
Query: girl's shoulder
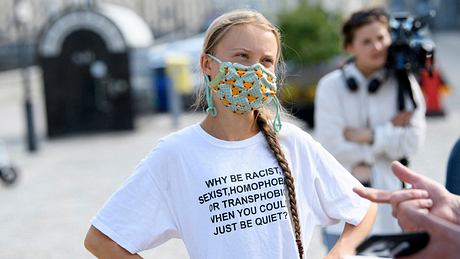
x=291 y=132
x=290 y=127
x=175 y=141
x=183 y=134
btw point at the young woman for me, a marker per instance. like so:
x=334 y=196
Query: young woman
x=234 y=186
x=357 y=118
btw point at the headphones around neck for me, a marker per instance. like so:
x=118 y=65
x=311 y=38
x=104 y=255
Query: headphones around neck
x=352 y=84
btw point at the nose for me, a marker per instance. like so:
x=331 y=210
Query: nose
x=377 y=45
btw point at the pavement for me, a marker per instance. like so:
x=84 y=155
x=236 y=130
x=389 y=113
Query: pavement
x=46 y=213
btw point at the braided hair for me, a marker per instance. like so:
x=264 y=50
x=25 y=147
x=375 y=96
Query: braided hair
x=274 y=145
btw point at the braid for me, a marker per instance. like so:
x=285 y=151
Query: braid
x=272 y=140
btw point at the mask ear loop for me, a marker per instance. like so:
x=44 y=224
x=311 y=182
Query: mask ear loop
x=211 y=109
x=277 y=121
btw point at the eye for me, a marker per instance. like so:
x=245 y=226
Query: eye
x=268 y=62
x=366 y=42
x=242 y=55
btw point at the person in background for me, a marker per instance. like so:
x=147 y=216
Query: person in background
x=240 y=184
x=357 y=117
x=428 y=206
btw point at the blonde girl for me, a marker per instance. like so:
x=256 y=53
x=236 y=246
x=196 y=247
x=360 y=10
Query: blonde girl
x=240 y=184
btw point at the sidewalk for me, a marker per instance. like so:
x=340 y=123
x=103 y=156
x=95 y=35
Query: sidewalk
x=46 y=214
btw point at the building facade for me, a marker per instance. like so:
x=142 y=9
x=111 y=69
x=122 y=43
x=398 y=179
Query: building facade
x=178 y=17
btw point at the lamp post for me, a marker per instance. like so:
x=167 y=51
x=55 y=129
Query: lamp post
x=23 y=15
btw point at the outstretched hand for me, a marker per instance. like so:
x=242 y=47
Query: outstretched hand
x=427 y=196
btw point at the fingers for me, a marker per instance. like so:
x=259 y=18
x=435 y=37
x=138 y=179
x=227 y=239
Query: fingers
x=373 y=195
x=358 y=135
x=414 y=204
x=348 y=133
x=395 y=198
x=401 y=201
x=408 y=194
x=419 y=217
x=402 y=119
x=352 y=134
x=403 y=213
x=416 y=219
x=395 y=119
x=404 y=173
x=431 y=223
x=409 y=114
x=420 y=197
x=406 y=117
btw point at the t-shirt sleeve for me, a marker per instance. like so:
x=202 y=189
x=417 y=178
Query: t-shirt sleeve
x=137 y=216
x=334 y=188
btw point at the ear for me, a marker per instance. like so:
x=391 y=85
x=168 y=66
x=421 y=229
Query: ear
x=205 y=64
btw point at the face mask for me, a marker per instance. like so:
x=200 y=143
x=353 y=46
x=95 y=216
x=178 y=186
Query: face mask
x=243 y=88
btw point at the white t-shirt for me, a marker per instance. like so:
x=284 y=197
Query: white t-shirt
x=227 y=199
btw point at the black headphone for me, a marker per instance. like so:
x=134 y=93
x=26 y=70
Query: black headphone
x=352 y=85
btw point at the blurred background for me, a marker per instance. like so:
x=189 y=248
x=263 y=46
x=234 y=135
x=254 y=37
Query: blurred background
x=88 y=87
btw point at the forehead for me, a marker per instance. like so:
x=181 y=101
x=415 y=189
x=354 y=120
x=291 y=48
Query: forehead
x=251 y=37
x=371 y=29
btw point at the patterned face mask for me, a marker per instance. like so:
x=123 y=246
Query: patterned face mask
x=243 y=88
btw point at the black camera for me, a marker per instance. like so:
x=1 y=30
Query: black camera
x=409 y=52
x=410 y=48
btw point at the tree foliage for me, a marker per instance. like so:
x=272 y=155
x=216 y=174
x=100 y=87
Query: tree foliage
x=310 y=35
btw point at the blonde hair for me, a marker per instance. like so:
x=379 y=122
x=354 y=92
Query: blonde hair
x=225 y=22
x=214 y=34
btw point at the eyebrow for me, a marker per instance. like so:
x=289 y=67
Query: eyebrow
x=244 y=49
x=249 y=51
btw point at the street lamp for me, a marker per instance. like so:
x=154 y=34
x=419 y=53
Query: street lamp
x=23 y=15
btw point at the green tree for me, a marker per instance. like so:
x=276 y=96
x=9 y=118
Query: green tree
x=310 y=35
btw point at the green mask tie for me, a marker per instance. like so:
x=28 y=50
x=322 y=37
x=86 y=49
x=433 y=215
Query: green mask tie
x=211 y=109
x=277 y=121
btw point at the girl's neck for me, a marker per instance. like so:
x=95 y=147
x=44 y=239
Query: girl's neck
x=229 y=126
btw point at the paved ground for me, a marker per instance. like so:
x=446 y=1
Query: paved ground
x=46 y=214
